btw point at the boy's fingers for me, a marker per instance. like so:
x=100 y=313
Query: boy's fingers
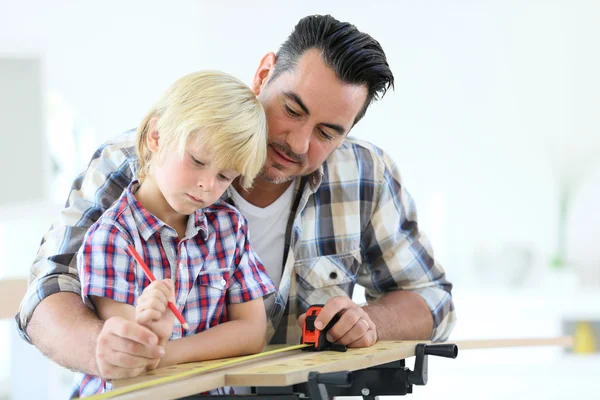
x=158 y=292
x=147 y=316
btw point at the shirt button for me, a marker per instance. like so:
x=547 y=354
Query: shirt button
x=181 y=266
x=223 y=283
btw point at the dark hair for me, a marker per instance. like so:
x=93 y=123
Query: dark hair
x=354 y=56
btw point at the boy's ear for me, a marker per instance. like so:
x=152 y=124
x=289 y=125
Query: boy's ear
x=153 y=136
x=263 y=73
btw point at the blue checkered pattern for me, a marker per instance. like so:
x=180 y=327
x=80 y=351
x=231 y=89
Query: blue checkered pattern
x=212 y=266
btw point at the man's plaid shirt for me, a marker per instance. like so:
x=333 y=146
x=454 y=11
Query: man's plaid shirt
x=212 y=266
x=352 y=222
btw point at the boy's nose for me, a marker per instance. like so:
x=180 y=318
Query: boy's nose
x=206 y=183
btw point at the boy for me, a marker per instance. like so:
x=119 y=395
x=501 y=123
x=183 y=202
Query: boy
x=208 y=129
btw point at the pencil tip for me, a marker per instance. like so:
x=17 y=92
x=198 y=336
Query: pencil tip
x=186 y=326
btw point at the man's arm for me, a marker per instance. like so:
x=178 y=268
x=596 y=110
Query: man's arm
x=72 y=347
x=400 y=315
x=412 y=317
x=408 y=294
x=64 y=328
x=124 y=350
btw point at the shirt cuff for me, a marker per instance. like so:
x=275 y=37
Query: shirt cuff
x=38 y=290
x=250 y=293
x=441 y=306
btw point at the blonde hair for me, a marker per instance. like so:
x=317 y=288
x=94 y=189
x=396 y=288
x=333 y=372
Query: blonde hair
x=213 y=107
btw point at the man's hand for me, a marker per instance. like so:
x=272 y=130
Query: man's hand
x=125 y=349
x=152 y=310
x=354 y=329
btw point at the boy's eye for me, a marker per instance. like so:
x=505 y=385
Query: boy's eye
x=291 y=112
x=224 y=178
x=197 y=162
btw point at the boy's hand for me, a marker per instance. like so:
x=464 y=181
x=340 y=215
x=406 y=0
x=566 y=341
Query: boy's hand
x=152 y=309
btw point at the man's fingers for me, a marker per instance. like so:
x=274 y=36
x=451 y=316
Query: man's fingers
x=360 y=329
x=130 y=330
x=348 y=322
x=367 y=340
x=331 y=308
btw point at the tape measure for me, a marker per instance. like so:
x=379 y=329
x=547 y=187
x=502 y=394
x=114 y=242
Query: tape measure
x=312 y=340
x=317 y=339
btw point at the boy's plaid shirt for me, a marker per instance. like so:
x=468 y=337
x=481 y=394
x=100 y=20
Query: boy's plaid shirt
x=353 y=222
x=212 y=266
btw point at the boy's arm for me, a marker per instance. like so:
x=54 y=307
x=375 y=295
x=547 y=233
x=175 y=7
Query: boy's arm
x=225 y=340
x=245 y=331
x=107 y=277
x=108 y=308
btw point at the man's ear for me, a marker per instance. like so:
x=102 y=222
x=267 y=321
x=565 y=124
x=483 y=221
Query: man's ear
x=263 y=73
x=153 y=136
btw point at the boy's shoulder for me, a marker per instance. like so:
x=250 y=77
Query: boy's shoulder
x=221 y=209
x=117 y=217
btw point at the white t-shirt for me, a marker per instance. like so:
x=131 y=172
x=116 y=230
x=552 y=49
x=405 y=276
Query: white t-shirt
x=266 y=231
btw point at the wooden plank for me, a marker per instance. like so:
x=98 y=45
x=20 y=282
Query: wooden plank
x=291 y=370
x=292 y=367
x=11 y=294
x=176 y=369
x=297 y=364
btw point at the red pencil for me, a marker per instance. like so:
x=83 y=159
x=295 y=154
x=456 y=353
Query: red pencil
x=150 y=276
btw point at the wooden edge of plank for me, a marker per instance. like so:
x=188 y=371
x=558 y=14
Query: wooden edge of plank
x=561 y=341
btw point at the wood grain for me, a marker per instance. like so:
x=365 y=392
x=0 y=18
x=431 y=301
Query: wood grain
x=293 y=367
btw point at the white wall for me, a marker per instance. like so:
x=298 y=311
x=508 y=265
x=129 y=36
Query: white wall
x=482 y=90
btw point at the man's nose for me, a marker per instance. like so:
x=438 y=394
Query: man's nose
x=299 y=139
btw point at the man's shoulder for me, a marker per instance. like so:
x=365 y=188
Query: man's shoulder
x=120 y=149
x=355 y=160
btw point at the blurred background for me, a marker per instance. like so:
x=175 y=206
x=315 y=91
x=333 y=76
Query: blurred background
x=494 y=125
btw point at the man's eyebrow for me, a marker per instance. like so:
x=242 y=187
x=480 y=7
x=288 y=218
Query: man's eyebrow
x=295 y=98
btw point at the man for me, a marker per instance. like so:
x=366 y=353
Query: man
x=326 y=213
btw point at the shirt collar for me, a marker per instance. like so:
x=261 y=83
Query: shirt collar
x=148 y=224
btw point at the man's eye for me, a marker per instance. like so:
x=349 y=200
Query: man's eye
x=291 y=112
x=325 y=135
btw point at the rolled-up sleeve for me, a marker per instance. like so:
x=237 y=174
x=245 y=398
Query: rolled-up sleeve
x=399 y=257
x=54 y=269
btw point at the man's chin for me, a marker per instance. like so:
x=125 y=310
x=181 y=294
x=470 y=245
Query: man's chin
x=275 y=175
x=276 y=178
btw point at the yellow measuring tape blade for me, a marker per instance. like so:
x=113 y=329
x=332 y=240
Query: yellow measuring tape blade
x=179 y=375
